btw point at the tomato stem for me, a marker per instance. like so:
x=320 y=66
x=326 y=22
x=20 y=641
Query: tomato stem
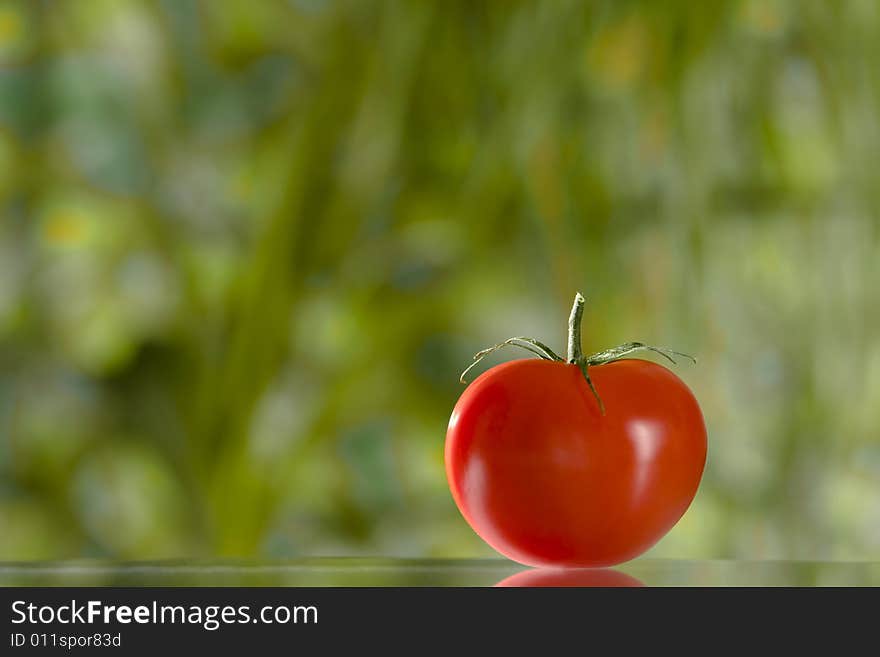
x=531 y=345
x=616 y=353
x=575 y=353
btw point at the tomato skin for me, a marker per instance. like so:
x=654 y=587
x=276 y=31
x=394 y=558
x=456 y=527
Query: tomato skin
x=547 y=480
x=570 y=577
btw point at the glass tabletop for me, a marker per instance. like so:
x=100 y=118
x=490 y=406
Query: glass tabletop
x=356 y=572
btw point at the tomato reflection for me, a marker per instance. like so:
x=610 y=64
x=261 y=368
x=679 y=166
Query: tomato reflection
x=570 y=577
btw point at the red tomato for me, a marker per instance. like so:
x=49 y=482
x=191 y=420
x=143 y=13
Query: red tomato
x=547 y=479
x=570 y=577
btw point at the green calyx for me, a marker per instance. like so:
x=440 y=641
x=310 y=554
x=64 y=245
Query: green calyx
x=575 y=355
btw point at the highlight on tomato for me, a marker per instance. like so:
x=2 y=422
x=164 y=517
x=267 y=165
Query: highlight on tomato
x=580 y=462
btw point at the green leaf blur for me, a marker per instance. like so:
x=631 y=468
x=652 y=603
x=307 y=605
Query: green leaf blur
x=247 y=248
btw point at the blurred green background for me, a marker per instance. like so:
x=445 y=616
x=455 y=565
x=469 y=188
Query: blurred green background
x=247 y=247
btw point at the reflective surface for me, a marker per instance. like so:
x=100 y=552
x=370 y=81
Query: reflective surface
x=422 y=572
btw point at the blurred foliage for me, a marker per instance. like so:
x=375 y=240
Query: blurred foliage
x=246 y=248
